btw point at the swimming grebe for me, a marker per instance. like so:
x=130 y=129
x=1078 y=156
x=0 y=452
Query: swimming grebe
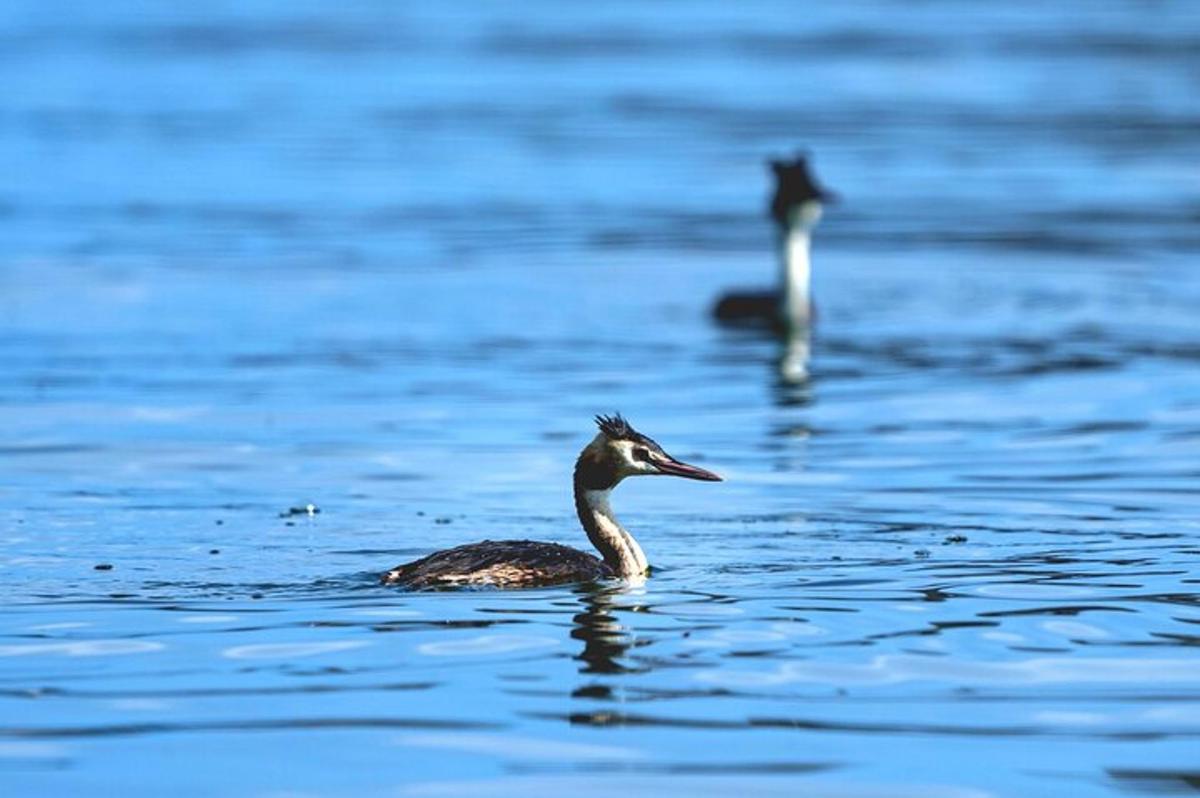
x=617 y=451
x=796 y=208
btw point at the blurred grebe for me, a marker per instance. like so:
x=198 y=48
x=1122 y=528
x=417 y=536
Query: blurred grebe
x=617 y=451
x=796 y=208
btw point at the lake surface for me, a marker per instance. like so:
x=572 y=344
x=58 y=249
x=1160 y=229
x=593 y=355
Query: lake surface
x=389 y=259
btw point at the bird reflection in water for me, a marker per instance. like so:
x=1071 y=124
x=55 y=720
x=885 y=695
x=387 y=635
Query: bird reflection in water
x=605 y=640
x=795 y=352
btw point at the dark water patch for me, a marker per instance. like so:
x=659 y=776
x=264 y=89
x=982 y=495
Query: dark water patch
x=238 y=37
x=35 y=449
x=212 y=692
x=237 y=726
x=1158 y=782
x=732 y=767
x=1147 y=46
x=797 y=724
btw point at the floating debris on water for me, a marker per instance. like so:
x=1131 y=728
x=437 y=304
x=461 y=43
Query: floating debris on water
x=954 y=539
x=309 y=509
x=104 y=566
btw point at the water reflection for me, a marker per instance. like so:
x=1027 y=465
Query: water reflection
x=605 y=640
x=795 y=351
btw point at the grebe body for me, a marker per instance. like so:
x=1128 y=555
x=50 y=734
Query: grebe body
x=618 y=451
x=500 y=563
x=796 y=207
x=759 y=307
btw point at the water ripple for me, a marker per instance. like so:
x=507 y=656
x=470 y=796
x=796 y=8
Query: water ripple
x=82 y=648
x=899 y=668
x=486 y=645
x=286 y=651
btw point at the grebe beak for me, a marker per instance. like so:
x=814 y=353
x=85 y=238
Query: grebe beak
x=676 y=468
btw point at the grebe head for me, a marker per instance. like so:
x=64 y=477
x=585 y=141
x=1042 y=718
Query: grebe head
x=798 y=199
x=620 y=451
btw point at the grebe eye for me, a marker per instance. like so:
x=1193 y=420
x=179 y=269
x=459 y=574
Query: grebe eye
x=641 y=454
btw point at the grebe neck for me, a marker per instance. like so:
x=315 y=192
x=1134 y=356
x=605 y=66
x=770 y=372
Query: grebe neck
x=618 y=548
x=795 y=240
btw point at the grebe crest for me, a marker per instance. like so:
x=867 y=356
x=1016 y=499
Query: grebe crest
x=616 y=452
x=798 y=198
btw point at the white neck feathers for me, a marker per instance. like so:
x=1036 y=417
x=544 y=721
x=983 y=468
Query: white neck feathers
x=621 y=552
x=797 y=277
x=795 y=241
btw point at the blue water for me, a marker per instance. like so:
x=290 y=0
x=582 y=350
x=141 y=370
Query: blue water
x=389 y=259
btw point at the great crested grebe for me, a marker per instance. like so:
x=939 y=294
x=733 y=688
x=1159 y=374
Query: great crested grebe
x=617 y=451
x=796 y=208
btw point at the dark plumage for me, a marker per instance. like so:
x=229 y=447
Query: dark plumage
x=794 y=186
x=758 y=307
x=616 y=428
x=499 y=563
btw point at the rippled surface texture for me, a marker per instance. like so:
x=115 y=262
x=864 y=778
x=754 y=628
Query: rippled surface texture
x=390 y=258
